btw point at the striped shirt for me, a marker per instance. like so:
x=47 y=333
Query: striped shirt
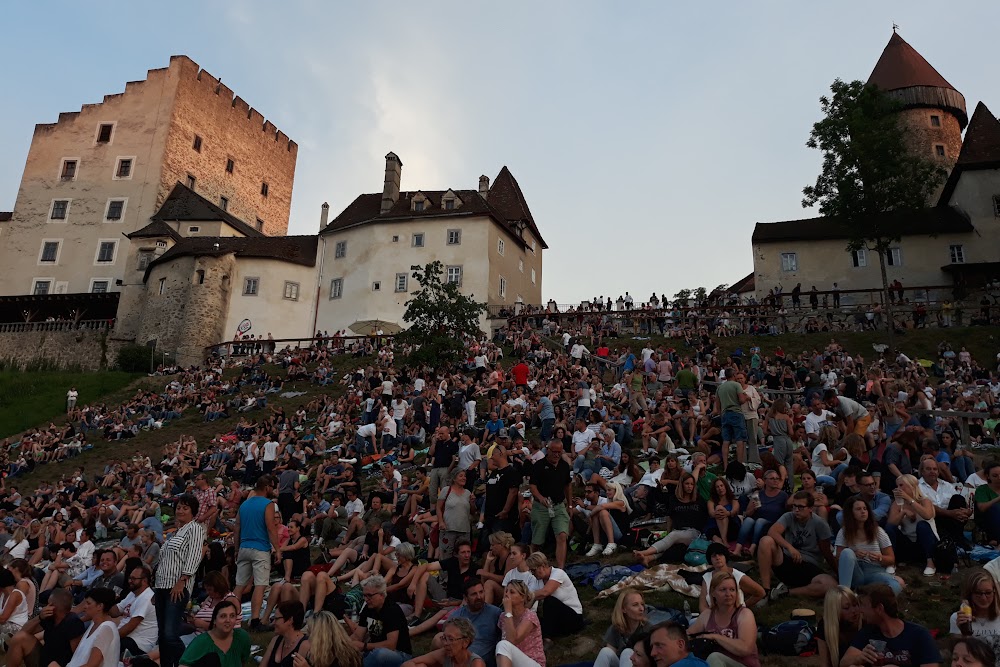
x=181 y=554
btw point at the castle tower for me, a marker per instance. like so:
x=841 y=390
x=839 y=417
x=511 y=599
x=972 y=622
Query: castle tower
x=933 y=111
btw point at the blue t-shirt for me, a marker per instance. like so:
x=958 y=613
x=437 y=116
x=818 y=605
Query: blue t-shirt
x=486 y=623
x=690 y=661
x=545 y=409
x=912 y=647
x=493 y=426
x=253 y=526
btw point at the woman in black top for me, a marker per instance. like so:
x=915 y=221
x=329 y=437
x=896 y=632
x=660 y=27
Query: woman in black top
x=288 y=636
x=688 y=517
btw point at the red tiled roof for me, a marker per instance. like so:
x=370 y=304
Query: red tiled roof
x=982 y=139
x=900 y=66
x=292 y=249
x=505 y=194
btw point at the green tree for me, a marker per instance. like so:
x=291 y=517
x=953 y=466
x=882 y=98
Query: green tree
x=869 y=179
x=700 y=296
x=439 y=316
x=682 y=297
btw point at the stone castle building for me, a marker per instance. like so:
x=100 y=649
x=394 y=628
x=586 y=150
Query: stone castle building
x=954 y=241
x=101 y=173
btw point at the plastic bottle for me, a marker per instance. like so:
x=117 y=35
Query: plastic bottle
x=687 y=610
x=551 y=508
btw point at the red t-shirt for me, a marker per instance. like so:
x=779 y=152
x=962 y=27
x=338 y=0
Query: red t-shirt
x=520 y=373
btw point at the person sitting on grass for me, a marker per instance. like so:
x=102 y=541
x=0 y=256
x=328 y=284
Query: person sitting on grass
x=562 y=611
x=730 y=624
x=458 y=635
x=885 y=634
x=750 y=592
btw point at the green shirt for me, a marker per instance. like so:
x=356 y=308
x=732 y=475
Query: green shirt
x=686 y=379
x=729 y=396
x=704 y=487
x=203 y=644
x=984 y=494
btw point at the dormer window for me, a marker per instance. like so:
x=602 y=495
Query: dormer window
x=418 y=205
x=449 y=204
x=450 y=201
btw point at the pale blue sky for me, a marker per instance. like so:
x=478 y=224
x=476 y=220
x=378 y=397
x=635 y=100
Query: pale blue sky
x=648 y=137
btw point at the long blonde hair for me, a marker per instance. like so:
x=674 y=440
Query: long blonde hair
x=912 y=485
x=831 y=618
x=328 y=643
x=618 y=619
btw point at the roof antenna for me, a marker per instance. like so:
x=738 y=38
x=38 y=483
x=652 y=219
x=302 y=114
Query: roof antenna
x=894 y=28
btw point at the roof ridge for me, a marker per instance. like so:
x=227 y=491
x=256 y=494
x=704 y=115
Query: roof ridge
x=901 y=66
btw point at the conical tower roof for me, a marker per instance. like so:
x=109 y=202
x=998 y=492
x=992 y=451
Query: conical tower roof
x=902 y=67
x=982 y=140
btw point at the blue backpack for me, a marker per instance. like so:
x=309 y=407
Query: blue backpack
x=789 y=638
x=696 y=552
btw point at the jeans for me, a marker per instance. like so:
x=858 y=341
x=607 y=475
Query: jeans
x=169 y=615
x=855 y=573
x=913 y=552
x=962 y=467
x=831 y=479
x=546 y=433
x=585 y=467
x=990 y=521
x=751 y=530
x=383 y=657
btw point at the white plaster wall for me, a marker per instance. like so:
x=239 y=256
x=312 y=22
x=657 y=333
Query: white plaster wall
x=269 y=311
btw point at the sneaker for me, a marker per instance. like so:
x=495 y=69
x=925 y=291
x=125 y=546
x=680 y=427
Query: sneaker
x=930 y=571
x=891 y=569
x=594 y=550
x=778 y=591
x=762 y=602
x=610 y=549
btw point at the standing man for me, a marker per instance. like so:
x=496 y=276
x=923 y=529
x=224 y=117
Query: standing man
x=71 y=397
x=443 y=454
x=550 y=483
x=208 y=502
x=750 y=417
x=502 y=484
x=256 y=537
x=547 y=415
x=729 y=398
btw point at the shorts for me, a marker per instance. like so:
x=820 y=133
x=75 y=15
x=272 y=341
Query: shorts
x=796 y=575
x=734 y=427
x=541 y=521
x=256 y=562
x=861 y=425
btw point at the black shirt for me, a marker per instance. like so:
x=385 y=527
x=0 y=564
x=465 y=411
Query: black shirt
x=456 y=577
x=58 y=637
x=444 y=450
x=381 y=622
x=498 y=486
x=687 y=515
x=551 y=480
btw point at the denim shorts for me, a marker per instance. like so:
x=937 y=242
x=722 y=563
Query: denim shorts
x=734 y=427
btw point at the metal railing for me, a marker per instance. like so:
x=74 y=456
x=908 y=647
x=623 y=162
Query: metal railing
x=245 y=347
x=56 y=325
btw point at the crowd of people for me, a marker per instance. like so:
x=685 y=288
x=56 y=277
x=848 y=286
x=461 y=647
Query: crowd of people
x=450 y=501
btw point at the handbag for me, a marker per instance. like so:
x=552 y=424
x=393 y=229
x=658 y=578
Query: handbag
x=702 y=646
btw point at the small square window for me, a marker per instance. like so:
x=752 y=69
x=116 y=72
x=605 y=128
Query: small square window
x=124 y=168
x=50 y=252
x=263 y=189
x=401 y=282
x=939 y=150
x=418 y=205
x=116 y=207
x=395 y=238
x=500 y=246
x=41 y=287
x=789 y=261
x=99 y=286
x=106 y=252
x=935 y=121
x=259 y=225
x=197 y=143
x=229 y=166
x=418 y=240
x=250 y=286
x=224 y=203
x=60 y=208
x=377 y=286
x=104 y=131
x=340 y=250
x=68 y=170
x=454 y=237
x=194 y=229
x=291 y=291
x=336 y=288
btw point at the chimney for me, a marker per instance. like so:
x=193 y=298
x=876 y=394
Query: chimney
x=484 y=186
x=324 y=214
x=393 y=173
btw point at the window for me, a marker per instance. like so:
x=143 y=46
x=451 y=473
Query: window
x=894 y=257
x=190 y=182
x=455 y=274
x=104 y=131
x=106 y=252
x=532 y=276
x=60 y=209
x=291 y=291
x=935 y=121
x=41 y=286
x=859 y=259
x=401 y=282
x=377 y=286
x=454 y=237
x=163 y=286
x=50 y=252
x=229 y=166
x=996 y=206
x=532 y=246
x=449 y=204
x=395 y=239
x=199 y=277
x=68 y=171
x=503 y=287
x=418 y=240
x=145 y=258
x=789 y=261
x=116 y=209
x=500 y=246
x=250 y=286
x=99 y=286
x=336 y=288
x=520 y=265
x=224 y=203
x=123 y=170
x=259 y=225
x=340 y=250
x=194 y=229
x=957 y=253
x=197 y=143
x=263 y=189
x=418 y=205
x=939 y=150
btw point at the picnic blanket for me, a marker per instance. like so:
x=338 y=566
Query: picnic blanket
x=661 y=577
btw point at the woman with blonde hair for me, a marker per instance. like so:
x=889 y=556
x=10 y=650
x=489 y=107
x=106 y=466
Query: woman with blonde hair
x=911 y=526
x=520 y=642
x=329 y=644
x=457 y=634
x=17 y=545
x=630 y=616
x=495 y=566
x=841 y=621
x=731 y=625
x=829 y=458
x=980 y=615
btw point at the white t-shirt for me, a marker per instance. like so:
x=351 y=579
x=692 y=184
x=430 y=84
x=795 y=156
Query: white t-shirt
x=582 y=440
x=399 y=409
x=566 y=593
x=744 y=486
x=103 y=637
x=468 y=455
x=982 y=628
x=647 y=352
x=651 y=478
x=17 y=550
x=707 y=586
x=367 y=431
x=815 y=421
x=145 y=634
x=270 y=450
x=355 y=507
x=418 y=385
x=565 y=338
x=817 y=460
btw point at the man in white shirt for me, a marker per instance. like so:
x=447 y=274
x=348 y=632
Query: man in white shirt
x=647 y=352
x=136 y=615
x=828 y=378
x=365 y=438
x=817 y=418
x=950 y=509
x=583 y=439
x=71 y=397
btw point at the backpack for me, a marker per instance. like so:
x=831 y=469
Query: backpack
x=695 y=554
x=945 y=555
x=788 y=638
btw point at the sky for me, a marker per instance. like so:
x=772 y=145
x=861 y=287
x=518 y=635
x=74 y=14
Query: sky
x=648 y=137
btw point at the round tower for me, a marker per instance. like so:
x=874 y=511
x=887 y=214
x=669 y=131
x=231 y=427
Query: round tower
x=933 y=111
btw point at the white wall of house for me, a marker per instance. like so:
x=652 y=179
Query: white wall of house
x=271 y=309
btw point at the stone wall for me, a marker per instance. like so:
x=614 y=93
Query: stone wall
x=64 y=347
